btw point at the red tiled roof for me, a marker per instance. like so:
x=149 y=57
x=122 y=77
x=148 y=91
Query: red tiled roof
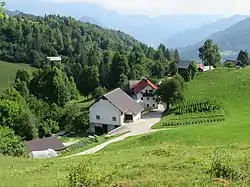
x=142 y=84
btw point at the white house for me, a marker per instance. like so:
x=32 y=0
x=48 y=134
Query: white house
x=113 y=110
x=143 y=92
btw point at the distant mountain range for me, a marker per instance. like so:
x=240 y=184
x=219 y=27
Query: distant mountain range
x=230 y=41
x=150 y=30
x=192 y=36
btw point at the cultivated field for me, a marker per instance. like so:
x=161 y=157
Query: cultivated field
x=188 y=155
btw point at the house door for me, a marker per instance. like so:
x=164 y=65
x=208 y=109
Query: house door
x=128 y=117
x=101 y=130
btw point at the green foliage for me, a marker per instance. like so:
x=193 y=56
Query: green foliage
x=194 y=112
x=209 y=54
x=16 y=115
x=48 y=116
x=89 y=80
x=171 y=90
x=119 y=69
x=90 y=54
x=192 y=69
x=8 y=72
x=52 y=85
x=74 y=119
x=221 y=169
x=11 y=144
x=205 y=105
x=99 y=92
x=243 y=56
x=229 y=64
x=84 y=175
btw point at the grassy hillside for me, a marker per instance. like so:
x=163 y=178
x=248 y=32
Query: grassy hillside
x=180 y=156
x=8 y=73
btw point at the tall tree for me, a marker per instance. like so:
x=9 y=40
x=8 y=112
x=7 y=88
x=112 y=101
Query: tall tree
x=176 y=55
x=89 y=80
x=168 y=55
x=171 y=90
x=243 y=56
x=52 y=85
x=209 y=54
x=119 y=66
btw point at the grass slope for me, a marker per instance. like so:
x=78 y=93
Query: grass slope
x=175 y=157
x=8 y=73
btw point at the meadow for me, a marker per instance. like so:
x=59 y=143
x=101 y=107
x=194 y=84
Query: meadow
x=188 y=155
x=8 y=73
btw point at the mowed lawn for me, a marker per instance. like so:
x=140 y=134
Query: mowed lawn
x=8 y=73
x=179 y=156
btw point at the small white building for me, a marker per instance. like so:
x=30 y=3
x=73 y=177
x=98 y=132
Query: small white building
x=113 y=110
x=143 y=92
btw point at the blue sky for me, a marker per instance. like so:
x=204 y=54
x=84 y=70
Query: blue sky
x=157 y=7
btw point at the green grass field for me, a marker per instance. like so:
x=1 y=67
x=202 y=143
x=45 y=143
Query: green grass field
x=8 y=73
x=179 y=156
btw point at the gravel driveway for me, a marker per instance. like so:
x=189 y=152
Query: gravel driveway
x=141 y=127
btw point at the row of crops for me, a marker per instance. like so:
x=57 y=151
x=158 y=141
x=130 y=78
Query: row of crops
x=195 y=112
x=202 y=119
x=205 y=105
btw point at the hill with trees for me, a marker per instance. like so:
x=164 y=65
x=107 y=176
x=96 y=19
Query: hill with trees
x=83 y=47
x=230 y=41
x=94 y=60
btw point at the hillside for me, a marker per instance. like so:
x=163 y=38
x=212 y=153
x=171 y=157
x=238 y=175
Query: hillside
x=8 y=73
x=230 y=40
x=176 y=157
x=192 y=36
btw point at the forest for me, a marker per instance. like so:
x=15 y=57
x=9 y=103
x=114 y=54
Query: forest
x=90 y=54
x=94 y=60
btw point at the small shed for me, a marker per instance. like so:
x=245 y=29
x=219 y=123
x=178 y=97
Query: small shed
x=45 y=144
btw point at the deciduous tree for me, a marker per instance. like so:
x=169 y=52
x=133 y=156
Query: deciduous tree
x=209 y=54
x=171 y=90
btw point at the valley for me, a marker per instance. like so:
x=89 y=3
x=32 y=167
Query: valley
x=117 y=106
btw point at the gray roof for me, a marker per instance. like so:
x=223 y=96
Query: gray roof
x=45 y=143
x=184 y=64
x=123 y=101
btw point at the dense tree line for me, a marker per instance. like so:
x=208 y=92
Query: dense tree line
x=92 y=55
x=94 y=60
x=37 y=105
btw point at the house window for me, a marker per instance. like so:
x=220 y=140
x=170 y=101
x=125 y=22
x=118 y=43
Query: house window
x=151 y=91
x=98 y=117
x=153 y=105
x=147 y=105
x=113 y=118
x=146 y=91
x=147 y=98
x=153 y=98
x=142 y=98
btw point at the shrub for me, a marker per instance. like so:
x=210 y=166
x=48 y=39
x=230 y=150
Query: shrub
x=10 y=144
x=230 y=64
x=221 y=169
x=83 y=175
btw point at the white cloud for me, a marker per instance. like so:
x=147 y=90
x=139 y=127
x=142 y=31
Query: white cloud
x=156 y=7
